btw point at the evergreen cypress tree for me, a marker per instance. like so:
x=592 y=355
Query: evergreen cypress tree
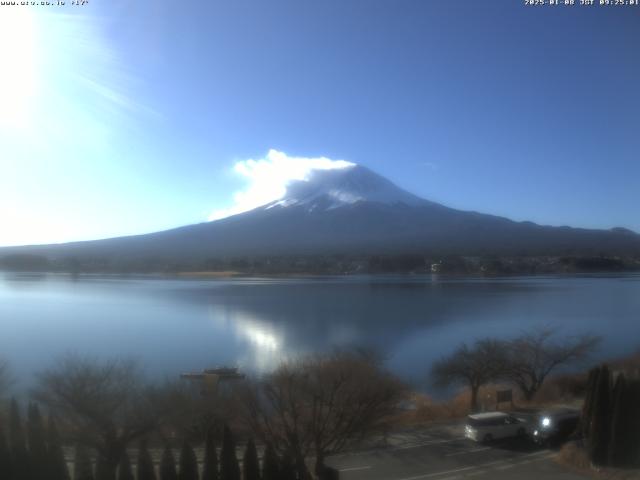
x=287 y=468
x=618 y=422
x=82 y=468
x=188 y=463
x=5 y=457
x=270 y=464
x=600 y=426
x=229 y=468
x=587 y=407
x=57 y=464
x=21 y=466
x=124 y=468
x=16 y=434
x=632 y=454
x=624 y=447
x=250 y=463
x=145 y=470
x=210 y=468
x=37 y=444
x=168 y=465
x=103 y=471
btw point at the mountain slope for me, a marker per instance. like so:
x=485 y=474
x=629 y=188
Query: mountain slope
x=327 y=189
x=351 y=211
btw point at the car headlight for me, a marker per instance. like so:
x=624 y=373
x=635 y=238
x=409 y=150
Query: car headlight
x=546 y=422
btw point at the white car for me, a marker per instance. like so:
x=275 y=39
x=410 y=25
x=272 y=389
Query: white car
x=485 y=427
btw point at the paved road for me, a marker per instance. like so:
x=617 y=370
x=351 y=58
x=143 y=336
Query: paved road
x=446 y=455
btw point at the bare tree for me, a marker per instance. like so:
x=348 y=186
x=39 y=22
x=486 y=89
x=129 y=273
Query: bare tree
x=472 y=366
x=320 y=405
x=534 y=355
x=192 y=414
x=105 y=403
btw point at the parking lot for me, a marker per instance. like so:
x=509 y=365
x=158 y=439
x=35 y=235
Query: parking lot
x=444 y=454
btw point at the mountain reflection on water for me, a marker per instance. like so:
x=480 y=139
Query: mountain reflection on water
x=174 y=325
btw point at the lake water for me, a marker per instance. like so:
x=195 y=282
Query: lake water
x=176 y=325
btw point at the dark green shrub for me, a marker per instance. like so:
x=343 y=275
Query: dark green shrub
x=587 y=407
x=83 y=470
x=36 y=440
x=624 y=446
x=168 y=465
x=57 y=464
x=210 y=468
x=5 y=457
x=599 y=429
x=250 y=464
x=287 y=468
x=188 y=463
x=144 y=469
x=270 y=464
x=229 y=468
x=124 y=468
x=21 y=465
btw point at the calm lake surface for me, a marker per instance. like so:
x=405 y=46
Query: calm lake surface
x=176 y=325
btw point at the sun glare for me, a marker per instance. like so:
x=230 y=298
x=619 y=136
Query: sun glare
x=18 y=55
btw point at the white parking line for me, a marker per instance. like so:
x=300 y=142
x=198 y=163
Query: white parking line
x=353 y=469
x=479 y=472
x=394 y=449
x=509 y=463
x=418 y=445
x=434 y=474
x=468 y=451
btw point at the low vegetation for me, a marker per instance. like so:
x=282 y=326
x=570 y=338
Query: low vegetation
x=525 y=362
x=106 y=422
x=608 y=438
x=611 y=419
x=118 y=423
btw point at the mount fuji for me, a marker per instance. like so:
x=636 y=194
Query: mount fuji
x=330 y=189
x=350 y=210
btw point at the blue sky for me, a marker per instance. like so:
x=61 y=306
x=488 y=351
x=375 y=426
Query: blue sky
x=122 y=117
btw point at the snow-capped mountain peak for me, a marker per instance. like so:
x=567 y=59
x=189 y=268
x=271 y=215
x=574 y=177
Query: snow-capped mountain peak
x=329 y=189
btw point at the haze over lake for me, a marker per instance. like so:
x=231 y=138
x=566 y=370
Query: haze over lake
x=176 y=325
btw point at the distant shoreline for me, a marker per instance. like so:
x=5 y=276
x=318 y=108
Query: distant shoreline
x=214 y=275
x=327 y=265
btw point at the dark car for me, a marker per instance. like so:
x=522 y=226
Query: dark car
x=554 y=426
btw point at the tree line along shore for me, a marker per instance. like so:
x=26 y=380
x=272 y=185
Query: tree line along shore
x=337 y=264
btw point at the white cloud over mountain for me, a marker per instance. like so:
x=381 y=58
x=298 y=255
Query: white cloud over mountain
x=268 y=178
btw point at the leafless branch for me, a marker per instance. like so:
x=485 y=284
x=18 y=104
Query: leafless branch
x=321 y=404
